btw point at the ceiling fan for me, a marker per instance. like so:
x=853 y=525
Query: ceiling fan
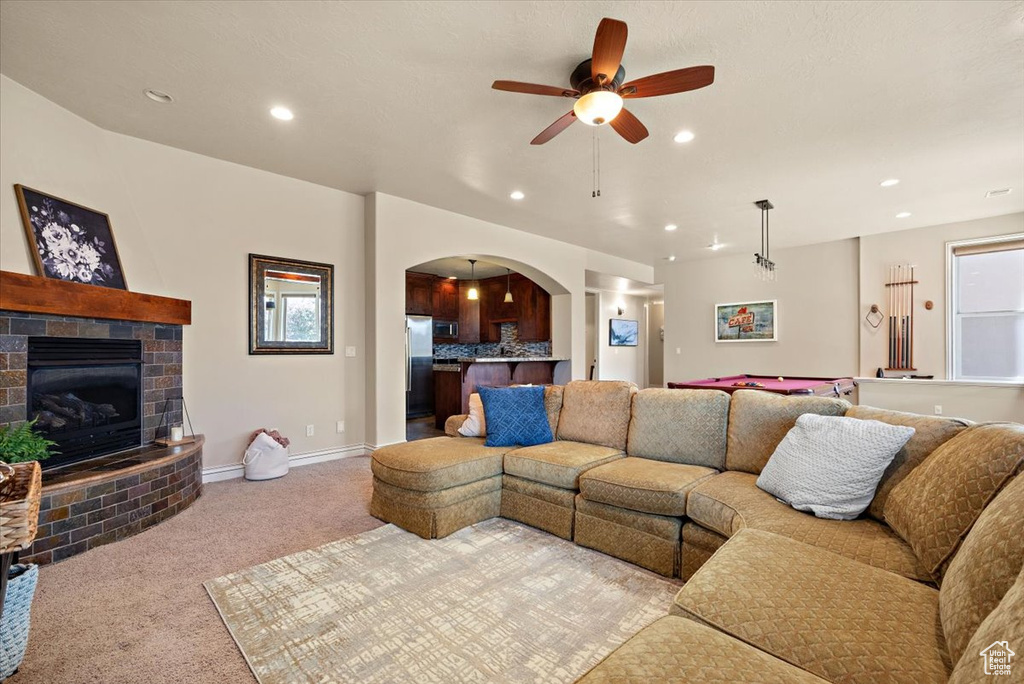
x=598 y=88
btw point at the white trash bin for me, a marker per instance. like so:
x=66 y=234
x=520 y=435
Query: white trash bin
x=265 y=459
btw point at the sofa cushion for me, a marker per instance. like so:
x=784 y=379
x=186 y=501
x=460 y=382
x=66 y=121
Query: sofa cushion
x=596 y=412
x=641 y=484
x=840 y=619
x=475 y=424
x=1004 y=629
x=553 y=405
x=681 y=426
x=759 y=420
x=984 y=568
x=676 y=650
x=936 y=504
x=558 y=464
x=930 y=432
x=731 y=501
x=515 y=416
x=831 y=465
x=428 y=465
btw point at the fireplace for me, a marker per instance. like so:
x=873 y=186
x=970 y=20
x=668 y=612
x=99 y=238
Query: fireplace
x=85 y=394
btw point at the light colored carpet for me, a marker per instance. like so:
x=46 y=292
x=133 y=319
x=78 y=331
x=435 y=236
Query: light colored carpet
x=135 y=612
x=495 y=602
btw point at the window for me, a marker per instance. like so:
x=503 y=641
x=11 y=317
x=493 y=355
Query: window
x=986 y=288
x=301 y=318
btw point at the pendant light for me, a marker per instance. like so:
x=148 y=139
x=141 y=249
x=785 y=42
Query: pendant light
x=765 y=267
x=508 y=287
x=472 y=294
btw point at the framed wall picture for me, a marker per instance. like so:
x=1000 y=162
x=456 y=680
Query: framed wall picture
x=291 y=306
x=622 y=333
x=69 y=241
x=747 y=322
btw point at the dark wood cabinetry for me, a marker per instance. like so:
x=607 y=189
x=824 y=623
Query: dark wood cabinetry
x=480 y=320
x=419 y=294
x=446 y=300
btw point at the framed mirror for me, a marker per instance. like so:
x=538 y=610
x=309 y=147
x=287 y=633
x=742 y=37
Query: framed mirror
x=291 y=306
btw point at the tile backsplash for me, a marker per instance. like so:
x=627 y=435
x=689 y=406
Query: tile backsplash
x=510 y=343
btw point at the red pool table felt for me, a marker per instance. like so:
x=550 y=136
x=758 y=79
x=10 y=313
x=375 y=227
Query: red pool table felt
x=788 y=385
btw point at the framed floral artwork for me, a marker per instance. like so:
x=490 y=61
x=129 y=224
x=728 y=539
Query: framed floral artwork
x=69 y=241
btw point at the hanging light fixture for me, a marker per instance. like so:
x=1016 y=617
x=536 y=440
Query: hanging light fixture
x=508 y=287
x=473 y=294
x=765 y=267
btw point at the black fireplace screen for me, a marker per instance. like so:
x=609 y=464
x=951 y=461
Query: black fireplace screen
x=85 y=394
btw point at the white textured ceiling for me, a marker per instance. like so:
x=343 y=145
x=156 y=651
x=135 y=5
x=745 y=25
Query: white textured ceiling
x=814 y=103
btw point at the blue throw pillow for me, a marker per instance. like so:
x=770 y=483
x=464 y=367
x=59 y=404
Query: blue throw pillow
x=515 y=416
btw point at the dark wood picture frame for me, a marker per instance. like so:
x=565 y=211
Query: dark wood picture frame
x=259 y=264
x=87 y=230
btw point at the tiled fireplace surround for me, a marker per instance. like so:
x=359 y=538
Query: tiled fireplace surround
x=77 y=518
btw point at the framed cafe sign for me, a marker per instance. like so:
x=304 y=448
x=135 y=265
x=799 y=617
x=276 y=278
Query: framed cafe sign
x=747 y=322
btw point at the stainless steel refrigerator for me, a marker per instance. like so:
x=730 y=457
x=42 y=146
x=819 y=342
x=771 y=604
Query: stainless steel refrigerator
x=419 y=366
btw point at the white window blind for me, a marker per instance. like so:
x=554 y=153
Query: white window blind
x=987 y=311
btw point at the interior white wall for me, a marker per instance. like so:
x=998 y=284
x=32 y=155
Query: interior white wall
x=398 y=237
x=184 y=225
x=620 y=363
x=925 y=248
x=817 y=314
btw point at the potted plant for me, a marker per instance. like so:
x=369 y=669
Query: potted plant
x=21 y=444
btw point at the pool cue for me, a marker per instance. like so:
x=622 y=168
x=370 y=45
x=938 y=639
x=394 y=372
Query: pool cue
x=910 y=363
x=899 y=316
x=892 y=323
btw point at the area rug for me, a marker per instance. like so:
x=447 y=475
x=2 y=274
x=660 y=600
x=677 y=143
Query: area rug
x=494 y=602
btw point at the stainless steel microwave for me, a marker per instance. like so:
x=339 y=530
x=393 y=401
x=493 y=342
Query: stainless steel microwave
x=447 y=330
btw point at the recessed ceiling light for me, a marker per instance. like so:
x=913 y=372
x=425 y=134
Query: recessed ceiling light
x=889 y=182
x=670 y=227
x=715 y=246
x=672 y=258
x=517 y=195
x=453 y=277
x=903 y=214
x=684 y=136
x=158 y=96
x=282 y=113
x=998 y=193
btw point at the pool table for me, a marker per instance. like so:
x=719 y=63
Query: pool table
x=822 y=387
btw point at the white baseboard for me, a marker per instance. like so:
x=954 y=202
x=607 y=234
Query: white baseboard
x=228 y=472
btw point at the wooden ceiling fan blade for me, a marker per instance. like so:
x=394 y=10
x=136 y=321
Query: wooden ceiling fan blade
x=609 y=44
x=534 y=89
x=629 y=127
x=669 y=82
x=554 y=129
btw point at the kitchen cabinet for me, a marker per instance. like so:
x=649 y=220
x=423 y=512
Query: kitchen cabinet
x=419 y=294
x=493 y=309
x=469 y=315
x=446 y=300
x=533 y=310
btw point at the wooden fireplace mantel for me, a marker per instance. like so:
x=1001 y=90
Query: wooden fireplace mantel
x=34 y=294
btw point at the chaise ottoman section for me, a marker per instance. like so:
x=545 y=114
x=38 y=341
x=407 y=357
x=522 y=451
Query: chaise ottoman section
x=650 y=541
x=674 y=650
x=835 y=617
x=434 y=487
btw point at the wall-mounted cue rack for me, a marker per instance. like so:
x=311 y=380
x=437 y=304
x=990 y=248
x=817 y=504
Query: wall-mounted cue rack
x=901 y=317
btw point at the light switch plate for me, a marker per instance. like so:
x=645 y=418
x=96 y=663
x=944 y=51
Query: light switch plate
x=341 y=426
x=350 y=351
x=309 y=430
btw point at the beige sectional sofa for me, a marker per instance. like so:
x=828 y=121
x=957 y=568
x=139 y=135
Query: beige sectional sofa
x=666 y=479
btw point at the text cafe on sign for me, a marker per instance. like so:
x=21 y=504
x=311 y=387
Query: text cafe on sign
x=743 y=319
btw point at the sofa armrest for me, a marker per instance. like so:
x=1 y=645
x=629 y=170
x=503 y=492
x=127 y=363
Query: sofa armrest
x=452 y=425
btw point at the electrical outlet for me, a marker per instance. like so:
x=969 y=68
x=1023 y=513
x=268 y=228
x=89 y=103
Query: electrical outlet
x=350 y=352
x=309 y=430
x=341 y=426
x=938 y=410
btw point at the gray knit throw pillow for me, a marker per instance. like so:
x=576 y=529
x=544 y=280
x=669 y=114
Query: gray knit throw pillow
x=831 y=465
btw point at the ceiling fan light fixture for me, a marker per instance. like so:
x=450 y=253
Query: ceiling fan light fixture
x=598 y=107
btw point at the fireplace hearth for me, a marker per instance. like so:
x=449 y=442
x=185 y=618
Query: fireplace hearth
x=85 y=394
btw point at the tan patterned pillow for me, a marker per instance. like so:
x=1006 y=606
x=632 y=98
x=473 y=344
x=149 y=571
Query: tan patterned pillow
x=680 y=426
x=930 y=433
x=984 y=568
x=759 y=420
x=935 y=506
x=553 y=405
x=596 y=412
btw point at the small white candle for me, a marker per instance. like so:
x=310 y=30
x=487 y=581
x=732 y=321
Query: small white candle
x=177 y=433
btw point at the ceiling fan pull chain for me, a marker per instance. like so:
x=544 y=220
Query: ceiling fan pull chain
x=593 y=163
x=598 y=139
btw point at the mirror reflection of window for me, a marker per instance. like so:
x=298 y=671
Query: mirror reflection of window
x=301 y=313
